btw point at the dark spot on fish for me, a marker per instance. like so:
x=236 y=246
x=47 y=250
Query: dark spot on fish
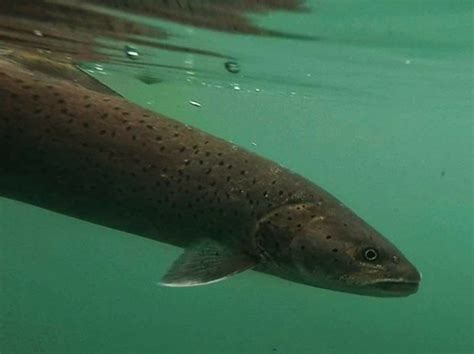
x=328 y=237
x=334 y=250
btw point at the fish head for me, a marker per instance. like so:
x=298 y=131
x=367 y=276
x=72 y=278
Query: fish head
x=331 y=247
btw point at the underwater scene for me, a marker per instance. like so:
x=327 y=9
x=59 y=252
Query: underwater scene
x=248 y=176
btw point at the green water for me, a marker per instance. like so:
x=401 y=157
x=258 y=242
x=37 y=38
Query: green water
x=379 y=112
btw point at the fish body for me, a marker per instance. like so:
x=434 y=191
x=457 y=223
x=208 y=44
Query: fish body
x=100 y=158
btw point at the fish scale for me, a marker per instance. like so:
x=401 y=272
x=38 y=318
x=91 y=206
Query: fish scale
x=102 y=159
x=101 y=149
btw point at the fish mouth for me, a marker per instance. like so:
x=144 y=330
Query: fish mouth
x=395 y=287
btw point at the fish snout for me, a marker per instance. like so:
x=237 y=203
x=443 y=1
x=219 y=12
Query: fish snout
x=405 y=280
x=408 y=272
x=414 y=276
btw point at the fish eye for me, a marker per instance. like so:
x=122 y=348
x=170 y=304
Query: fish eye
x=370 y=254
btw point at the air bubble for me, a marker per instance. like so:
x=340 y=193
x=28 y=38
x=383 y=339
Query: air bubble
x=232 y=67
x=194 y=103
x=131 y=52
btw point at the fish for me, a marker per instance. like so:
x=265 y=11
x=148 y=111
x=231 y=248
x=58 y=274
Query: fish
x=95 y=156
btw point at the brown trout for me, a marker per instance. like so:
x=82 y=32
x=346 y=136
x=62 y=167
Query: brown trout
x=99 y=158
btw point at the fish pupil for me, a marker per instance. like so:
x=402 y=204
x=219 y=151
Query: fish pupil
x=370 y=254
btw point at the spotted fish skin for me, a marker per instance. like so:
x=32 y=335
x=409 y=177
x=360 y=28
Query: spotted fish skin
x=99 y=158
x=105 y=160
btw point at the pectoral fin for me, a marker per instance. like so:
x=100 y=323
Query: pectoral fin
x=204 y=263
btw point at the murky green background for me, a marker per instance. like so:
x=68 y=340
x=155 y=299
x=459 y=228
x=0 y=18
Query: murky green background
x=379 y=111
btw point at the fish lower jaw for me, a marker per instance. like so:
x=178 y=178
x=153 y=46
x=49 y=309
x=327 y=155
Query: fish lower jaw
x=384 y=287
x=394 y=287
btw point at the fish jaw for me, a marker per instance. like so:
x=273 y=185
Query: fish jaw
x=394 y=287
x=405 y=285
x=375 y=282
